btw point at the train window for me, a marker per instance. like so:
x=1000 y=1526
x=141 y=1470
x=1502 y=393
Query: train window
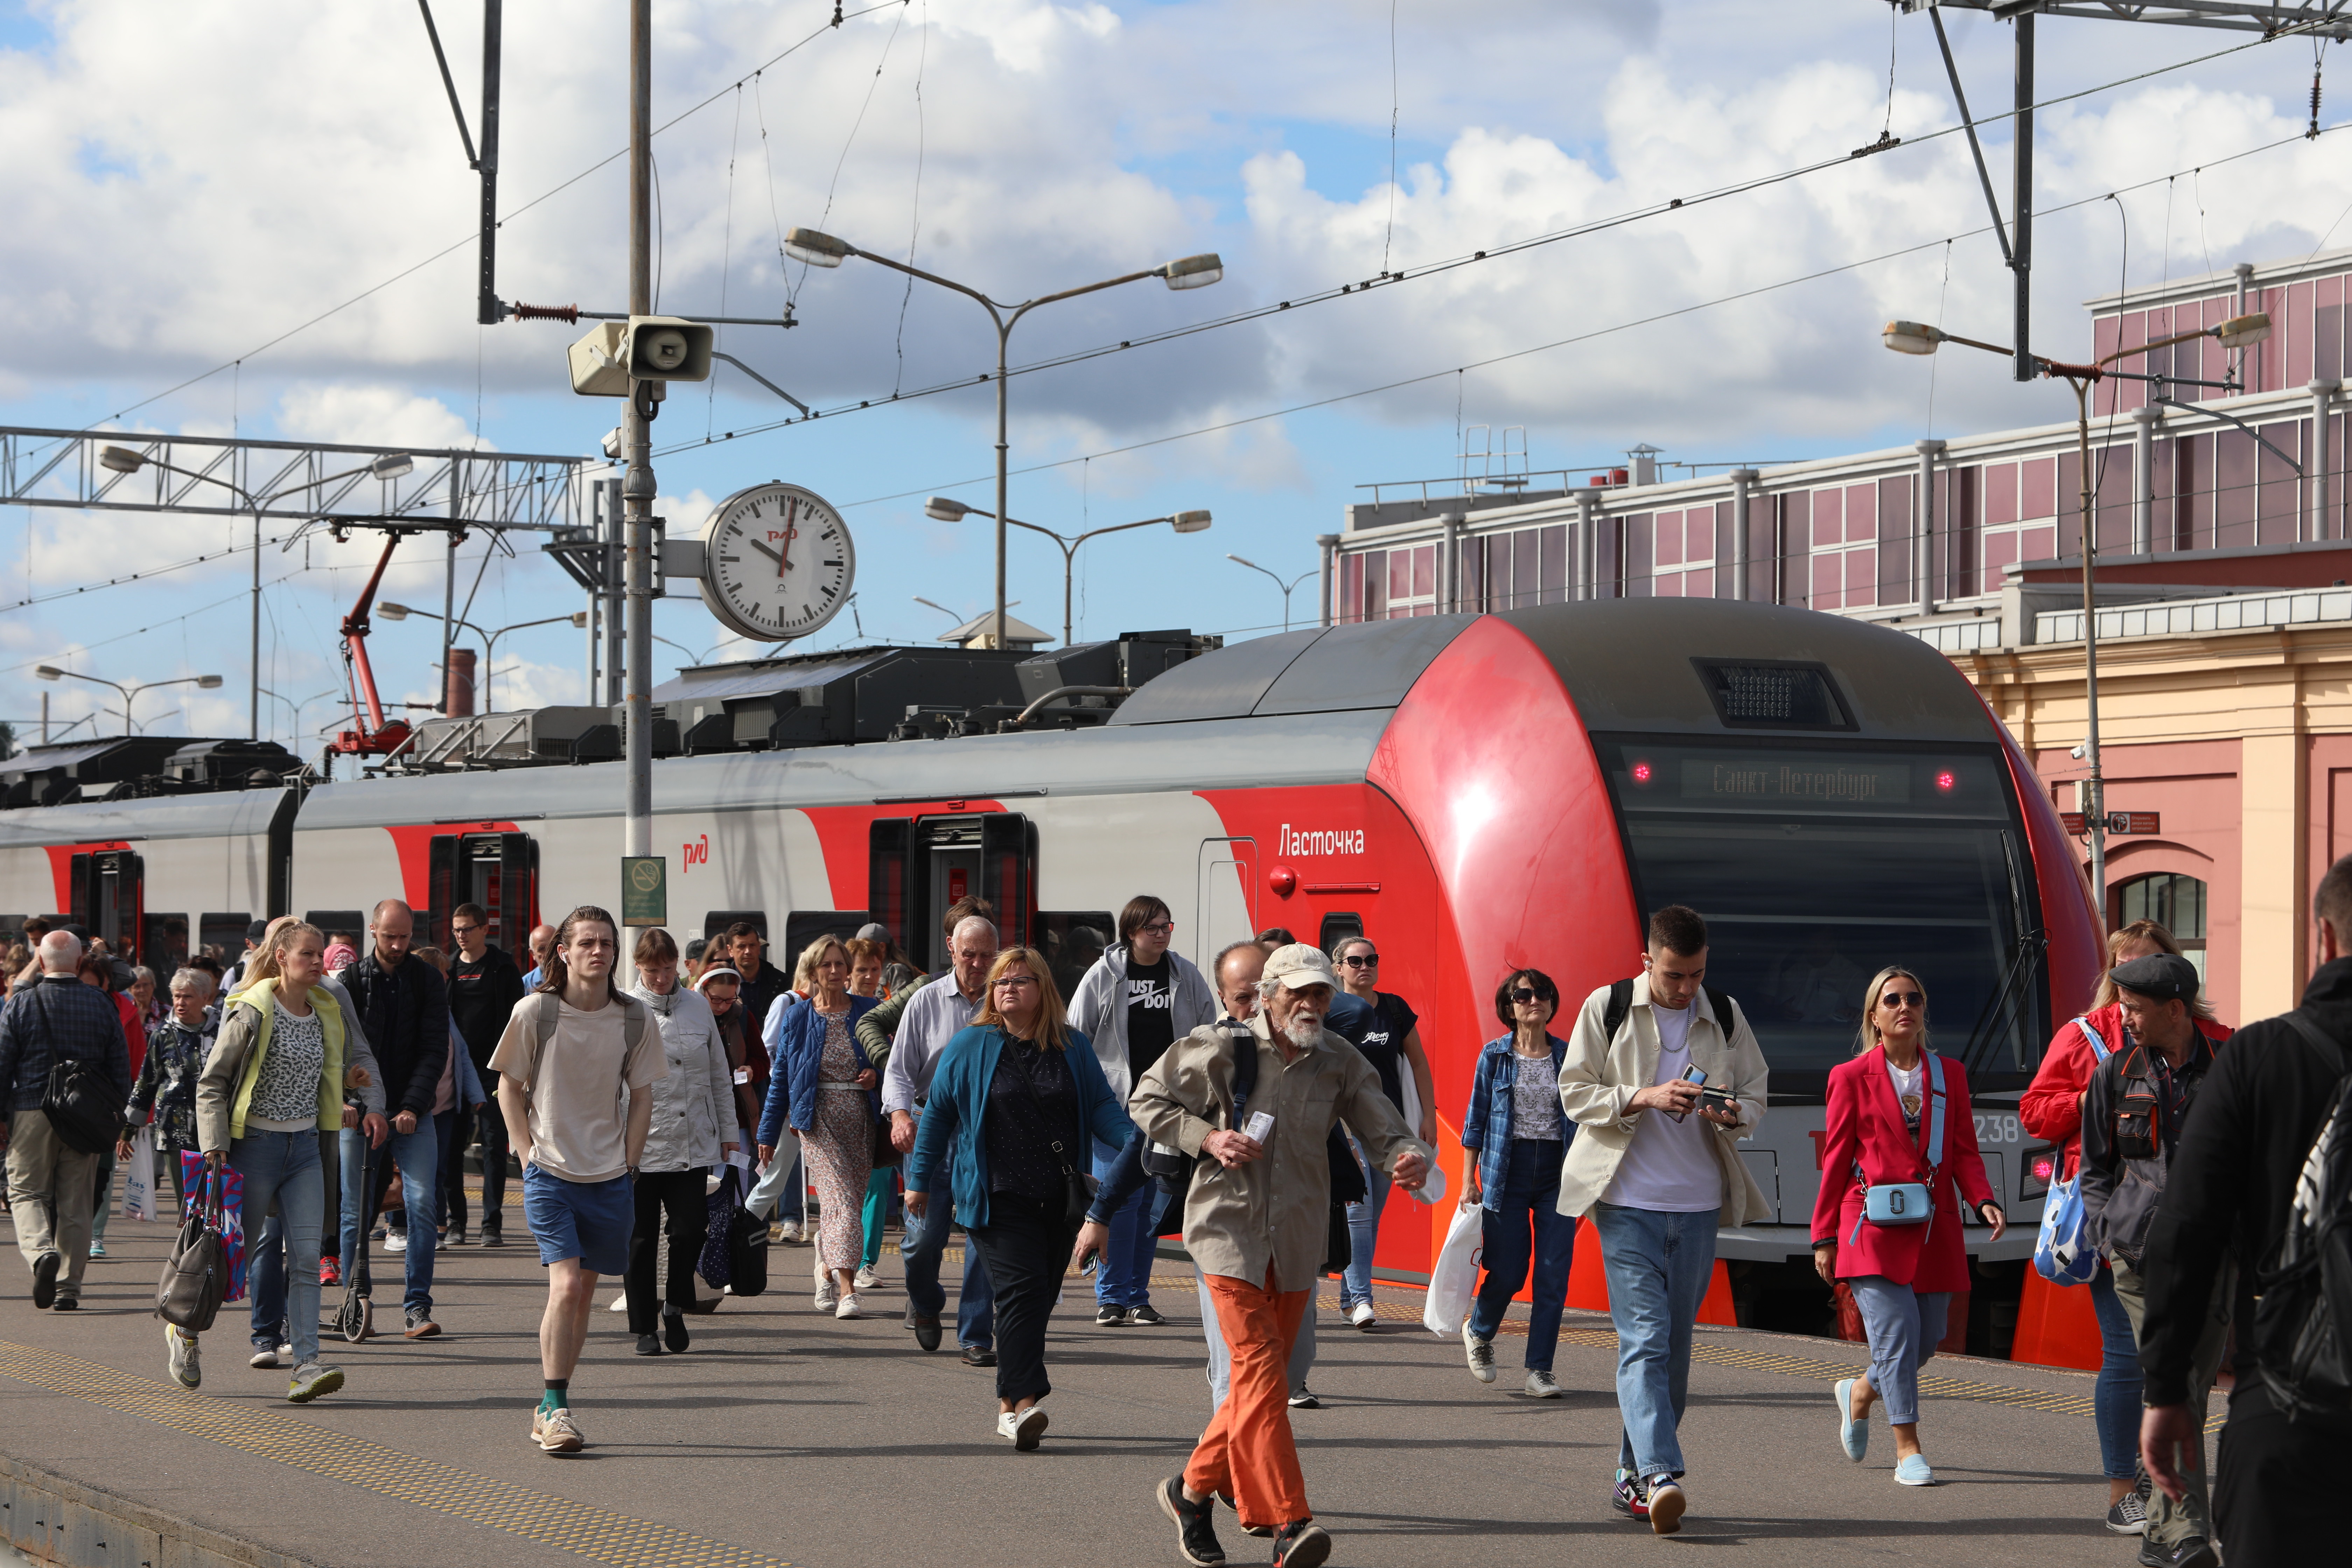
x=223 y=935
x=1338 y=926
x=1071 y=940
x=2174 y=901
x=716 y=923
x=1773 y=694
x=803 y=927
x=11 y=928
x=350 y=923
x=164 y=946
x=1814 y=869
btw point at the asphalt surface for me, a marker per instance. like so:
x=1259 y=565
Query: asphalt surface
x=782 y=1436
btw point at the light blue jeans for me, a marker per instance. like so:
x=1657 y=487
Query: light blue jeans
x=282 y=1168
x=1125 y=1277
x=781 y=1193
x=1659 y=1265
x=1904 y=1327
x=1221 y=1355
x=1363 y=1231
x=417 y=1154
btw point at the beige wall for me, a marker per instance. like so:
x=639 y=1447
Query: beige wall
x=2242 y=741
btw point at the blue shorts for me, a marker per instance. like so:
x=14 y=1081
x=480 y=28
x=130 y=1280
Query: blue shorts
x=587 y=1220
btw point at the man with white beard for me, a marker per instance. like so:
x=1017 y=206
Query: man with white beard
x=1257 y=1221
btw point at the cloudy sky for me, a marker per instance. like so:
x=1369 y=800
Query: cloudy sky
x=187 y=184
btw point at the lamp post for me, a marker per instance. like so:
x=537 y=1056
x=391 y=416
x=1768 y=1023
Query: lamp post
x=392 y=612
x=129 y=692
x=944 y=509
x=296 y=707
x=2237 y=332
x=1278 y=583
x=123 y=460
x=818 y=250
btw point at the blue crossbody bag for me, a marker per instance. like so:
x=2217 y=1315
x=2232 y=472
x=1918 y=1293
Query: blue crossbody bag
x=1911 y=1203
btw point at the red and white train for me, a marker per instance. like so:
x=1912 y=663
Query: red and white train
x=1476 y=793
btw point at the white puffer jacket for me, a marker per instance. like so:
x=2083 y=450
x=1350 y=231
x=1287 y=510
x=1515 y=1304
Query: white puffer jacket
x=696 y=1099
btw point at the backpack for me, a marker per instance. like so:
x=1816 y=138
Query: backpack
x=1621 y=1004
x=1172 y=1168
x=543 y=1020
x=2303 y=1317
x=79 y=1099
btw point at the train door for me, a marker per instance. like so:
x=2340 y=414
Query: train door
x=1225 y=895
x=110 y=898
x=917 y=867
x=499 y=871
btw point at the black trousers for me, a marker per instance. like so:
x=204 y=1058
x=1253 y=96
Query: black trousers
x=679 y=1194
x=2271 y=1505
x=1025 y=1247
x=494 y=1170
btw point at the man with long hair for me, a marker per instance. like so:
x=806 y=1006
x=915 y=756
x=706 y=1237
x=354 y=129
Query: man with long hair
x=568 y=1051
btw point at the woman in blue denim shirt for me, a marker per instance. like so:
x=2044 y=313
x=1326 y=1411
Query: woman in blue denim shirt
x=1513 y=1140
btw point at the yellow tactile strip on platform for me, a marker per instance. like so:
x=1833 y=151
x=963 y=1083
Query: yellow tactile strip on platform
x=595 y=1533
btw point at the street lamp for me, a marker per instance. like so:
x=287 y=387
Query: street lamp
x=2237 y=332
x=1278 y=583
x=945 y=508
x=816 y=250
x=392 y=612
x=295 y=707
x=123 y=460
x=130 y=692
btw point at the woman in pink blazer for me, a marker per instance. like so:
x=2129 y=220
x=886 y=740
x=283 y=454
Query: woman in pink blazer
x=1883 y=1108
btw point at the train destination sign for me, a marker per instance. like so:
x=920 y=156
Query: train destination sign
x=1807 y=781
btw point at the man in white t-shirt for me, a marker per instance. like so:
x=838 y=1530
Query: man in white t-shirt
x=561 y=1091
x=1653 y=1163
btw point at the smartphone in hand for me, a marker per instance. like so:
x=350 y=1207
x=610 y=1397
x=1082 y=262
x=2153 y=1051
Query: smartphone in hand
x=1694 y=1074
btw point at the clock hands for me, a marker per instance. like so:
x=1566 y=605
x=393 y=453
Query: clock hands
x=767 y=551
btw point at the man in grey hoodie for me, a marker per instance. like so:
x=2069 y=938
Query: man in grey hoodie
x=1137 y=1000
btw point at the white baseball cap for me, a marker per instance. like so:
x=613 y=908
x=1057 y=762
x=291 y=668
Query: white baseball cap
x=1298 y=966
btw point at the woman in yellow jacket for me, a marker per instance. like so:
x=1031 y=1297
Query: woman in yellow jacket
x=273 y=1081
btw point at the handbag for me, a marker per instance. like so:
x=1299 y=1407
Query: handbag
x=1910 y=1202
x=195 y=1276
x=79 y=1099
x=2063 y=1253
x=1454 y=1279
x=886 y=1154
x=735 y=1254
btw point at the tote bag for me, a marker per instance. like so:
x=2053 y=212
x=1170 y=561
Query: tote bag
x=229 y=1184
x=1455 y=1280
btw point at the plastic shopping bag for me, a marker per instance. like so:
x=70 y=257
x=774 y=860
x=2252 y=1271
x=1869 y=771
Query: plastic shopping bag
x=228 y=1183
x=138 y=1176
x=1455 y=1280
x=2062 y=1253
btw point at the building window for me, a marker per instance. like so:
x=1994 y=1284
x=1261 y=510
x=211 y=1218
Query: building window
x=2173 y=902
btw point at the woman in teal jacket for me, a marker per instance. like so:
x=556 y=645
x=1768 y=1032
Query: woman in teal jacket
x=1014 y=1102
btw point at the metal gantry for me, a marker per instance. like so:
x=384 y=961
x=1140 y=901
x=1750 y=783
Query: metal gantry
x=532 y=493
x=2319 y=18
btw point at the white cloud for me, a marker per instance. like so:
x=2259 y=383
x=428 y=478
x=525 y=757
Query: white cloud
x=345 y=414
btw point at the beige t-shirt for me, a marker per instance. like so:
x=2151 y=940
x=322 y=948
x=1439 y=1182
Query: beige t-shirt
x=579 y=1119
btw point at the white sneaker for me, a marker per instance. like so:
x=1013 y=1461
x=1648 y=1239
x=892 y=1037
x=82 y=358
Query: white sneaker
x=397 y=1241
x=848 y=1308
x=792 y=1232
x=1025 y=1428
x=186 y=1367
x=867 y=1277
x=265 y=1357
x=1542 y=1385
x=828 y=1294
x=1481 y=1353
x=1361 y=1315
x=620 y=1303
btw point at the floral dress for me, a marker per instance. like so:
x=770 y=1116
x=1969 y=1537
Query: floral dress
x=840 y=1146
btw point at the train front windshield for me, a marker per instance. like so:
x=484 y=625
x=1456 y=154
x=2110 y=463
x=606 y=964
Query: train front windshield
x=1816 y=866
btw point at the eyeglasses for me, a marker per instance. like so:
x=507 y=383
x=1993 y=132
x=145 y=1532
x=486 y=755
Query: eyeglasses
x=1363 y=961
x=464 y=930
x=1901 y=999
x=1526 y=995
x=1015 y=982
x=1162 y=928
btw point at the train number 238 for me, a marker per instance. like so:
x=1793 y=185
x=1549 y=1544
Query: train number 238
x=1998 y=1130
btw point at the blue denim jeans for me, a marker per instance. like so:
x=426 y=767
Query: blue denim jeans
x=1904 y=1327
x=919 y=1248
x=1125 y=1277
x=1659 y=1265
x=416 y=1154
x=1527 y=1227
x=2115 y=1397
x=1363 y=1231
x=282 y=1168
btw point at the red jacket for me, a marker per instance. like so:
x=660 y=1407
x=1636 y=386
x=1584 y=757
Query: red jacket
x=2051 y=1109
x=1866 y=1127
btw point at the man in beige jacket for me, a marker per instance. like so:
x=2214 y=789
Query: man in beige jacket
x=1663 y=1077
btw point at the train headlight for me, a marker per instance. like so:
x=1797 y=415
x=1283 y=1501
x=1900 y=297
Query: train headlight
x=1641 y=771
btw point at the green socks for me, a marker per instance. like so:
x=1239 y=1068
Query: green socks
x=558 y=1396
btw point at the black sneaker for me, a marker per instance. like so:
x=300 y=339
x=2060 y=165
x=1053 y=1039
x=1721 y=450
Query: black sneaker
x=674 y=1334
x=979 y=1356
x=927 y=1329
x=1196 y=1539
x=1305 y=1544
x=45 y=1279
x=649 y=1345
x=1110 y=1316
x=1627 y=1498
x=490 y=1236
x=1146 y=1316
x=1303 y=1398
x=2193 y=1552
x=2129 y=1515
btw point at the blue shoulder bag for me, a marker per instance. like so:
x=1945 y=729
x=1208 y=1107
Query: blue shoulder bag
x=1911 y=1203
x=2063 y=1252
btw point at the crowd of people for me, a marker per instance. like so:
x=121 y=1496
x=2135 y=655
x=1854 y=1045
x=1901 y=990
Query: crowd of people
x=1261 y=1111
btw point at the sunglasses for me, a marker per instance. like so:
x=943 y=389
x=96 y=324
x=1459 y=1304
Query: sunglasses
x=1363 y=961
x=1901 y=999
x=1526 y=995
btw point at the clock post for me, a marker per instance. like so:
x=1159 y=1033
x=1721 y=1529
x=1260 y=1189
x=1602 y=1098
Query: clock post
x=637 y=440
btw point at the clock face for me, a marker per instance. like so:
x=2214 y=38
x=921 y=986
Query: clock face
x=777 y=563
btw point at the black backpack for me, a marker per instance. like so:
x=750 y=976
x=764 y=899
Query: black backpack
x=1621 y=1004
x=80 y=1099
x=2303 y=1317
